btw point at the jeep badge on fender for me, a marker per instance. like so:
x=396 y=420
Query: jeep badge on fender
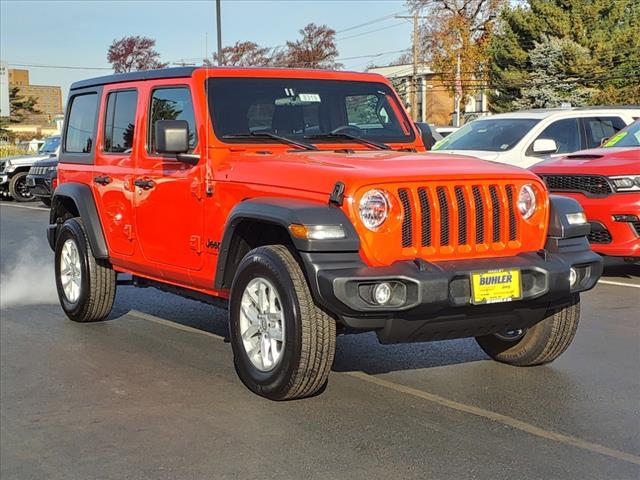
x=305 y=202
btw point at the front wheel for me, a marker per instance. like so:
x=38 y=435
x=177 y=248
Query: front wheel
x=283 y=344
x=19 y=189
x=86 y=285
x=540 y=344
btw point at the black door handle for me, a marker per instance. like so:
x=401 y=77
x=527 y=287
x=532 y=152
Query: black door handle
x=102 y=179
x=144 y=183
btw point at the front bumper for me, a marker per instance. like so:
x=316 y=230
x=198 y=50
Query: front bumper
x=40 y=185
x=4 y=179
x=622 y=239
x=438 y=295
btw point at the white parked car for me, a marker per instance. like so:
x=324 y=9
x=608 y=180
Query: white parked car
x=527 y=137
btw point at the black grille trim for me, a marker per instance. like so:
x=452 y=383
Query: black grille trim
x=462 y=215
x=599 y=234
x=588 y=184
x=425 y=207
x=444 y=215
x=495 y=212
x=407 y=219
x=636 y=227
x=513 y=228
x=479 y=207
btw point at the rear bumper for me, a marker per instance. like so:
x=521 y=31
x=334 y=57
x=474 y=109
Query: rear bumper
x=625 y=240
x=438 y=295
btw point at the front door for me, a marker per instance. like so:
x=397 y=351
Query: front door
x=168 y=199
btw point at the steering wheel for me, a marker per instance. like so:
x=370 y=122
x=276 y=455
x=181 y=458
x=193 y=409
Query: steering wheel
x=349 y=129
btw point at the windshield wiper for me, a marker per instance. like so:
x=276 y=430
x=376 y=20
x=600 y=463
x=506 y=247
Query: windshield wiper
x=355 y=138
x=273 y=136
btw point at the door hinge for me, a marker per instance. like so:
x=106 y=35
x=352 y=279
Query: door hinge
x=194 y=243
x=128 y=232
x=210 y=187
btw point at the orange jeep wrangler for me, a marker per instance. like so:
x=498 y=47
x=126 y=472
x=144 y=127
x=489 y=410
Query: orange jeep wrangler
x=303 y=201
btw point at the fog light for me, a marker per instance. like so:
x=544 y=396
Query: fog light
x=382 y=293
x=573 y=277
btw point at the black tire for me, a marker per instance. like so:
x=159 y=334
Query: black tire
x=46 y=201
x=309 y=346
x=18 y=188
x=542 y=343
x=97 y=280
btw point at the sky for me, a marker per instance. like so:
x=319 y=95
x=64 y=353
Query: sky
x=78 y=33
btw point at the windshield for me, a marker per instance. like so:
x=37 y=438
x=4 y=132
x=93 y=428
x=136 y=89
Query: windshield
x=628 y=137
x=495 y=135
x=50 y=145
x=305 y=109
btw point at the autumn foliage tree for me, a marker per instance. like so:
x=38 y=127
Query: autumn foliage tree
x=134 y=53
x=316 y=49
x=457 y=28
x=242 y=54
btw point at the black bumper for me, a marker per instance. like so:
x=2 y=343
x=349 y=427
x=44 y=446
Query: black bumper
x=438 y=295
x=40 y=185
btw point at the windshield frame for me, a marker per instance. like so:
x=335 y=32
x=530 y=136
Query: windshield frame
x=443 y=145
x=395 y=104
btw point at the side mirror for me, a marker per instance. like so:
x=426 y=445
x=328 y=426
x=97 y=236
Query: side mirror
x=172 y=136
x=427 y=135
x=545 y=145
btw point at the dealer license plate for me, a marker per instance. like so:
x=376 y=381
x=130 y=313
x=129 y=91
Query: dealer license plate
x=495 y=286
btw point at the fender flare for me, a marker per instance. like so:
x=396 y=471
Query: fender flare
x=82 y=197
x=284 y=212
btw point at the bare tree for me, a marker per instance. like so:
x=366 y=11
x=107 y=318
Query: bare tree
x=134 y=53
x=242 y=54
x=316 y=49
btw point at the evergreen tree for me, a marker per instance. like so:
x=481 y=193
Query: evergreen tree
x=607 y=30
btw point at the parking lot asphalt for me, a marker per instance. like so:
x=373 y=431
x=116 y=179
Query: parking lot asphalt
x=151 y=393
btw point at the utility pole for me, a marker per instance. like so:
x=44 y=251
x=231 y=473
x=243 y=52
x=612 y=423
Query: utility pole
x=219 y=23
x=413 y=93
x=458 y=97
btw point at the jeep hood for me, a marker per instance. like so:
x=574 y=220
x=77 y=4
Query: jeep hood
x=597 y=161
x=319 y=171
x=22 y=160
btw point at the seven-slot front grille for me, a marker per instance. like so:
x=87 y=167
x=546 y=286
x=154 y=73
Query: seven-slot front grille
x=589 y=184
x=474 y=217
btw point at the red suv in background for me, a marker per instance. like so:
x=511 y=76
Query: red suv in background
x=606 y=181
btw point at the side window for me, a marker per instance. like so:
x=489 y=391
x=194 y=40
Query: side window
x=80 y=134
x=119 y=122
x=172 y=103
x=597 y=128
x=565 y=133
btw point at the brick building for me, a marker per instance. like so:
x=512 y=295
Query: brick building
x=49 y=97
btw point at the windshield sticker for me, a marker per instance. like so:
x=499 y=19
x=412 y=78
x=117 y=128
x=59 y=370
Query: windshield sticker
x=615 y=139
x=309 y=97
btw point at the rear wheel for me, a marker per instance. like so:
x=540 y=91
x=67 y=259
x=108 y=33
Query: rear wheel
x=540 y=344
x=86 y=285
x=283 y=344
x=18 y=188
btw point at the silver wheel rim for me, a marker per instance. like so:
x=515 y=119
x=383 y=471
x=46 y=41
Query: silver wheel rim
x=262 y=324
x=70 y=273
x=511 y=335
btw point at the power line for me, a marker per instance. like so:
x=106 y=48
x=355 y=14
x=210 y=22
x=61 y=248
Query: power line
x=370 y=22
x=369 y=31
x=69 y=67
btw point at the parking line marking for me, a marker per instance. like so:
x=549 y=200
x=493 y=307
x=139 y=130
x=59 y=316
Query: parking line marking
x=40 y=209
x=168 y=323
x=498 y=417
x=445 y=402
x=619 y=284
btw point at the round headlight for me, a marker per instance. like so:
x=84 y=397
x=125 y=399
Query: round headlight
x=526 y=201
x=374 y=209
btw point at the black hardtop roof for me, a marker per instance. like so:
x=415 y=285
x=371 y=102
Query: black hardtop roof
x=176 y=72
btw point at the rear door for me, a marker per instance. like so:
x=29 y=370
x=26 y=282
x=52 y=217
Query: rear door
x=599 y=128
x=169 y=194
x=113 y=172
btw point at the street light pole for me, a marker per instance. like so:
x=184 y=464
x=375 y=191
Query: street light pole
x=218 y=24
